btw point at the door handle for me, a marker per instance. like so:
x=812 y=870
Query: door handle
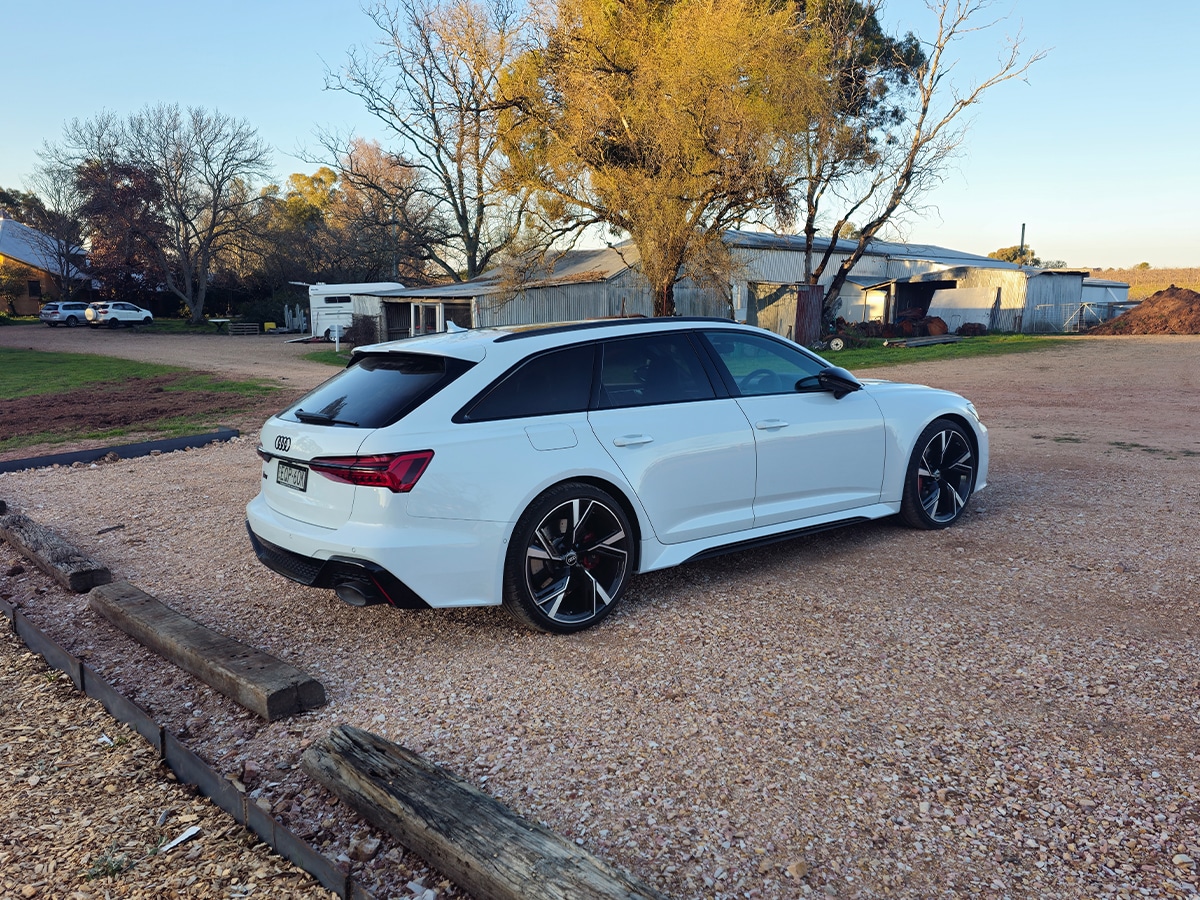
x=632 y=440
x=770 y=424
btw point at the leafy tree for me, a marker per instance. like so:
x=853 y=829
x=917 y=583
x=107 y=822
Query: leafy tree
x=323 y=227
x=1022 y=256
x=434 y=86
x=17 y=204
x=125 y=221
x=668 y=122
x=14 y=277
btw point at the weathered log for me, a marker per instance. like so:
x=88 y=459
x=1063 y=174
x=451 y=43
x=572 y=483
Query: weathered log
x=257 y=680
x=471 y=837
x=68 y=566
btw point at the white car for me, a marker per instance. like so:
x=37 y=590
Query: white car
x=117 y=313
x=542 y=468
x=64 y=312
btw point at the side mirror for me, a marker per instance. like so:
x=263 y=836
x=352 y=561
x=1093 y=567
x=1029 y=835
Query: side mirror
x=838 y=382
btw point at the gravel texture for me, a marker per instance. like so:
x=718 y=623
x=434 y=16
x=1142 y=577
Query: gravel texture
x=1007 y=708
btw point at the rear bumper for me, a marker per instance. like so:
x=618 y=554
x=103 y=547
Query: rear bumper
x=433 y=563
x=331 y=572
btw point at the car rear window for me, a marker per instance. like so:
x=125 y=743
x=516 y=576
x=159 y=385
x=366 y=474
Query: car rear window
x=377 y=390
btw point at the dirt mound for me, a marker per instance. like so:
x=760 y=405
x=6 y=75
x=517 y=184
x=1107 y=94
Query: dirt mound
x=1173 y=311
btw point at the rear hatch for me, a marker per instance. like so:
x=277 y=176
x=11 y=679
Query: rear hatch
x=328 y=426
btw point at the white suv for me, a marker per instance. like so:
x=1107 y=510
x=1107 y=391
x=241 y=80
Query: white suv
x=116 y=314
x=542 y=467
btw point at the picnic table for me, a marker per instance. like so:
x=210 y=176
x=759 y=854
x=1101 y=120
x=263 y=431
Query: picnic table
x=221 y=324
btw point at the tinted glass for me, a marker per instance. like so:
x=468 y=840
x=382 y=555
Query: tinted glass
x=661 y=368
x=556 y=382
x=761 y=365
x=377 y=390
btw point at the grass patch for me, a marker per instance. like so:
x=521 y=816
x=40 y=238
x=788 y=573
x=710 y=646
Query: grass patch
x=875 y=355
x=109 y=864
x=329 y=357
x=201 y=381
x=30 y=373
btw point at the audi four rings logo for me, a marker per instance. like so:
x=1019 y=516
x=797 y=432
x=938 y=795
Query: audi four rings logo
x=283 y=443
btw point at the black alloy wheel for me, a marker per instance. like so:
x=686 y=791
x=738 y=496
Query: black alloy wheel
x=569 y=559
x=940 y=477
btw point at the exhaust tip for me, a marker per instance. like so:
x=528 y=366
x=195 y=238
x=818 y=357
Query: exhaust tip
x=357 y=593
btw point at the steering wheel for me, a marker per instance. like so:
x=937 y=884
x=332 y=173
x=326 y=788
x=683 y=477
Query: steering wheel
x=760 y=381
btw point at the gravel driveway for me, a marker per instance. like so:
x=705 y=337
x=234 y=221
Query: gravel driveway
x=1008 y=708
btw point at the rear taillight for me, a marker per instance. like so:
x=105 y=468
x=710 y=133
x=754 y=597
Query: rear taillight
x=398 y=472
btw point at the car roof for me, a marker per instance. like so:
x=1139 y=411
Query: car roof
x=473 y=344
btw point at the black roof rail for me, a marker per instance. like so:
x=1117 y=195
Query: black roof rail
x=606 y=323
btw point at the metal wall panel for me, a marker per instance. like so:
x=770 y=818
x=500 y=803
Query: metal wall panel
x=1054 y=301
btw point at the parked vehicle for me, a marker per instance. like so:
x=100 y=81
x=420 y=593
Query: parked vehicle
x=116 y=314
x=331 y=306
x=542 y=467
x=64 y=312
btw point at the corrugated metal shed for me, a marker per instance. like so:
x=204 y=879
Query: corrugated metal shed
x=890 y=277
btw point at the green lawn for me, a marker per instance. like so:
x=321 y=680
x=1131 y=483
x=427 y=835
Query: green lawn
x=875 y=355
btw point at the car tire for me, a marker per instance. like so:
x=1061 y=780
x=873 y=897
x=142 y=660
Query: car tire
x=560 y=577
x=72 y=321
x=114 y=323
x=147 y=321
x=940 y=477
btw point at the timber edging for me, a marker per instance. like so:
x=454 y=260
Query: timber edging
x=187 y=766
x=256 y=680
x=473 y=838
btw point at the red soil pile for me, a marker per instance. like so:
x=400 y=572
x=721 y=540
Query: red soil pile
x=1173 y=311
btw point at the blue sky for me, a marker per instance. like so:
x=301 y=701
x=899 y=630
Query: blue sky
x=1096 y=152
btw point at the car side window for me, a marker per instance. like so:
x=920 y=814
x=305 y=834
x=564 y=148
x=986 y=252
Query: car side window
x=661 y=368
x=758 y=364
x=549 y=384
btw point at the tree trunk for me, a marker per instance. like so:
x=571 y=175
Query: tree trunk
x=664 y=299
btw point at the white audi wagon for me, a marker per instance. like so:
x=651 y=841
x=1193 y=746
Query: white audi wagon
x=543 y=467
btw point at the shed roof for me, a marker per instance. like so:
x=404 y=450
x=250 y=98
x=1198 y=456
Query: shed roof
x=25 y=245
x=568 y=267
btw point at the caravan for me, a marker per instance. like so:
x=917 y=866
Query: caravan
x=332 y=305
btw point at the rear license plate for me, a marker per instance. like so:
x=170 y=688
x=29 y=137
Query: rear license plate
x=292 y=476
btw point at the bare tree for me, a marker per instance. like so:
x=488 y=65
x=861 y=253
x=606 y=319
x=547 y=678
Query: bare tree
x=192 y=173
x=433 y=83
x=57 y=217
x=891 y=160
x=204 y=163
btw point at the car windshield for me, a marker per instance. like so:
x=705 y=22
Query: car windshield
x=377 y=390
